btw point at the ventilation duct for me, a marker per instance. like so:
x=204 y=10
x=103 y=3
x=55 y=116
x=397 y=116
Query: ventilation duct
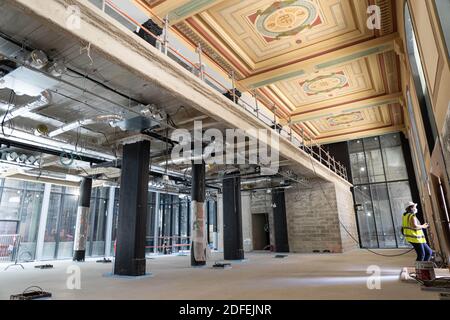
x=110 y=119
x=43 y=100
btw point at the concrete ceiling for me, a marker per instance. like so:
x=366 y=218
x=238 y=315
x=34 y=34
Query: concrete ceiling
x=92 y=86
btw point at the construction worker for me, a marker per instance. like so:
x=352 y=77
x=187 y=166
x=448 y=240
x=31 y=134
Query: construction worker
x=412 y=229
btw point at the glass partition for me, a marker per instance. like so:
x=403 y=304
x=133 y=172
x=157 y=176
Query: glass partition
x=381 y=189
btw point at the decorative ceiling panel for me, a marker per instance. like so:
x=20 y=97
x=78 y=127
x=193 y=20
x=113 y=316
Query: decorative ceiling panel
x=316 y=62
x=265 y=33
x=345 y=82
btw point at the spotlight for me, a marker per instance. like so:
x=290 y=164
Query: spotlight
x=11 y=156
x=22 y=158
x=37 y=59
x=57 y=68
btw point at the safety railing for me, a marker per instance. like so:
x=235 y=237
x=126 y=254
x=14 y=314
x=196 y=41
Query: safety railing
x=9 y=247
x=169 y=244
x=302 y=140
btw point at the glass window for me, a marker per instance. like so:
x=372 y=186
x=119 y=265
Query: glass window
x=395 y=166
x=10 y=203
x=399 y=194
x=51 y=228
x=383 y=216
x=419 y=81
x=66 y=226
x=8 y=227
x=443 y=11
x=381 y=189
x=358 y=162
x=375 y=169
x=365 y=216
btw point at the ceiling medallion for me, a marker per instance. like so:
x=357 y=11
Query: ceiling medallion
x=344 y=119
x=324 y=84
x=285 y=19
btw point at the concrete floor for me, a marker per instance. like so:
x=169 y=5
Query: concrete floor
x=261 y=276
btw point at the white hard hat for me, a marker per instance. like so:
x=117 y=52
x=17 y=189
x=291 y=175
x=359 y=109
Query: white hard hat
x=410 y=204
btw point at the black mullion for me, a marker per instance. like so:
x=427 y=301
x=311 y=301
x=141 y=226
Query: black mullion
x=180 y=209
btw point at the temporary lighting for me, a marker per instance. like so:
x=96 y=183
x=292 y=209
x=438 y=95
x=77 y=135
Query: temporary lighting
x=57 y=68
x=11 y=156
x=22 y=158
x=37 y=59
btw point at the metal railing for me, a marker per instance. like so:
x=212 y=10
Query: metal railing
x=169 y=244
x=302 y=140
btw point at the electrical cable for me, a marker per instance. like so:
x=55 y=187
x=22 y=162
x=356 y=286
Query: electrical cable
x=11 y=99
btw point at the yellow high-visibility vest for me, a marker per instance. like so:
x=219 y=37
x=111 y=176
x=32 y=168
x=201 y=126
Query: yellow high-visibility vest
x=411 y=233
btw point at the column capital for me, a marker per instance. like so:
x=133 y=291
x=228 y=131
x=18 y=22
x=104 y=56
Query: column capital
x=134 y=139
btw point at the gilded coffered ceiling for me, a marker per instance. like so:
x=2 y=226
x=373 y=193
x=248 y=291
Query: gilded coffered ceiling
x=317 y=61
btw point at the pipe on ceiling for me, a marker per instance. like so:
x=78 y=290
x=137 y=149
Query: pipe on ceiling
x=79 y=123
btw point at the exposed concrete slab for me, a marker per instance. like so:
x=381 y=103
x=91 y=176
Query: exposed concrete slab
x=298 y=276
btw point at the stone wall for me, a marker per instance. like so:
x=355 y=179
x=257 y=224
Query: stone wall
x=347 y=217
x=313 y=214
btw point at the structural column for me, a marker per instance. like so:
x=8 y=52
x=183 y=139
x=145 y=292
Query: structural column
x=81 y=227
x=198 y=234
x=279 y=221
x=232 y=218
x=132 y=222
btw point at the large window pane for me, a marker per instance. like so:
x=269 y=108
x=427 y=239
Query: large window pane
x=393 y=157
x=383 y=216
x=400 y=194
x=374 y=160
x=66 y=230
x=29 y=223
x=443 y=11
x=97 y=222
x=358 y=162
x=51 y=228
x=366 y=222
x=8 y=227
x=10 y=204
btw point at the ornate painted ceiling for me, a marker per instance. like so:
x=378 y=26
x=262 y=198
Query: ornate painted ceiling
x=316 y=61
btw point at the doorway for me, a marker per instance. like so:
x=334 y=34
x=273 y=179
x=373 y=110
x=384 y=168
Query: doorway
x=260 y=230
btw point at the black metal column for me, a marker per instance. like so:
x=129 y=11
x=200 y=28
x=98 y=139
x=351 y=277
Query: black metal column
x=279 y=221
x=81 y=227
x=232 y=218
x=132 y=221
x=198 y=194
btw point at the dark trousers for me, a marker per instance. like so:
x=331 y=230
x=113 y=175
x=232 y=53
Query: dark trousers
x=423 y=251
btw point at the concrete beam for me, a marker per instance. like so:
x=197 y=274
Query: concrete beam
x=177 y=10
x=328 y=111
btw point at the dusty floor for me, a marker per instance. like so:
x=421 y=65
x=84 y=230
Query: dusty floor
x=260 y=276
